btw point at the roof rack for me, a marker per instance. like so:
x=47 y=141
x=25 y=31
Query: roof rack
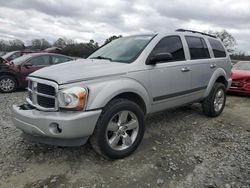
x=186 y=30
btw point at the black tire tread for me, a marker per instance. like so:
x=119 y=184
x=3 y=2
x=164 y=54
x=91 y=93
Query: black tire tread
x=94 y=139
x=207 y=104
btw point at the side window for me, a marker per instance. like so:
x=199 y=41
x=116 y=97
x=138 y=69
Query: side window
x=59 y=59
x=41 y=60
x=197 y=47
x=15 y=55
x=171 y=44
x=217 y=48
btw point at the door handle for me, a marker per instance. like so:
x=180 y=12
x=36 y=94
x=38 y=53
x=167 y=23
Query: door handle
x=185 y=69
x=212 y=66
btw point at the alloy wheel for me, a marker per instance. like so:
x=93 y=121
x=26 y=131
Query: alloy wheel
x=219 y=100
x=122 y=130
x=7 y=84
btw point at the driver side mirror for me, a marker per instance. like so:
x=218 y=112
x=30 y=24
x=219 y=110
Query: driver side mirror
x=159 y=57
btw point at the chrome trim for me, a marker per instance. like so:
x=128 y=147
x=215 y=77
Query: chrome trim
x=35 y=93
x=45 y=95
x=95 y=77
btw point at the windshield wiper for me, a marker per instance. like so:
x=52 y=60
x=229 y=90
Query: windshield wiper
x=101 y=57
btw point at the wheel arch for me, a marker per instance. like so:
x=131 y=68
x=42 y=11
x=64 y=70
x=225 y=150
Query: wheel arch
x=218 y=76
x=125 y=88
x=10 y=74
x=133 y=97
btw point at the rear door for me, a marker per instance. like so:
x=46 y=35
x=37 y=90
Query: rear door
x=170 y=80
x=199 y=62
x=220 y=58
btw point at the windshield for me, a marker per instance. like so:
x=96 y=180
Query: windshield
x=7 y=55
x=242 y=66
x=21 y=59
x=125 y=49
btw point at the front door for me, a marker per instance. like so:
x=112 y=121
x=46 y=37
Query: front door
x=170 y=80
x=34 y=64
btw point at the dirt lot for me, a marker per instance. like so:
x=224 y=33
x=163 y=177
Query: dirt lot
x=181 y=148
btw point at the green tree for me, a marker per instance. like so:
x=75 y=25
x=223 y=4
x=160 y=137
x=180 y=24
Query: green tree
x=112 y=38
x=228 y=39
x=60 y=43
x=45 y=44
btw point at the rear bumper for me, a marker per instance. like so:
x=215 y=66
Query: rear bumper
x=55 y=128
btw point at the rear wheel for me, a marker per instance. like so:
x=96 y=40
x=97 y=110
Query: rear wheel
x=119 y=129
x=214 y=104
x=7 y=84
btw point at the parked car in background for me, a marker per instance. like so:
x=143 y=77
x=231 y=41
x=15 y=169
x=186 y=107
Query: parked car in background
x=241 y=77
x=55 y=50
x=12 y=55
x=13 y=74
x=15 y=54
x=3 y=61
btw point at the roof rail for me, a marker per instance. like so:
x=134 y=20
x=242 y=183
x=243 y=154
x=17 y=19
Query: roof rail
x=186 y=30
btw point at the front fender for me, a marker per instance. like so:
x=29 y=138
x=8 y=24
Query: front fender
x=217 y=73
x=100 y=93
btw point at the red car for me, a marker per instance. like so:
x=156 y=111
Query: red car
x=13 y=74
x=241 y=78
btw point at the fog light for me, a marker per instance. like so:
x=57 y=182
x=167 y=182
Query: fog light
x=54 y=128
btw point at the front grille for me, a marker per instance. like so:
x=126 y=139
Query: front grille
x=45 y=102
x=42 y=94
x=46 y=89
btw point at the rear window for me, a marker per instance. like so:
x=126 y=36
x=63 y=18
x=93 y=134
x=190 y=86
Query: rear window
x=197 y=47
x=59 y=59
x=217 y=48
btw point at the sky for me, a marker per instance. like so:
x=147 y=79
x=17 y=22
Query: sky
x=83 y=20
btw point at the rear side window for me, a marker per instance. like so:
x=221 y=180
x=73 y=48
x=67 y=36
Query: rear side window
x=217 y=48
x=59 y=59
x=197 y=47
x=173 y=45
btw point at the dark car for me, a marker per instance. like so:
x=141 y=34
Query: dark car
x=13 y=74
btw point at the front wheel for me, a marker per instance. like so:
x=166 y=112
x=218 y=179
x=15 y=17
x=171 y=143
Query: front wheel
x=214 y=104
x=7 y=84
x=119 y=130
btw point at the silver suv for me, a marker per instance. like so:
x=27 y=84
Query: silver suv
x=105 y=97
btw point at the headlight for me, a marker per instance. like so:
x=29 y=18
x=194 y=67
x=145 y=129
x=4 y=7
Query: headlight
x=73 y=98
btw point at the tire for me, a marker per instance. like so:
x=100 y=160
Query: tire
x=7 y=84
x=214 y=104
x=113 y=136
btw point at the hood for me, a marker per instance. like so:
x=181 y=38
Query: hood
x=81 y=70
x=3 y=61
x=240 y=74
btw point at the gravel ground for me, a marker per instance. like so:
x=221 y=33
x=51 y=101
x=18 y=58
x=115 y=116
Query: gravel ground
x=181 y=148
